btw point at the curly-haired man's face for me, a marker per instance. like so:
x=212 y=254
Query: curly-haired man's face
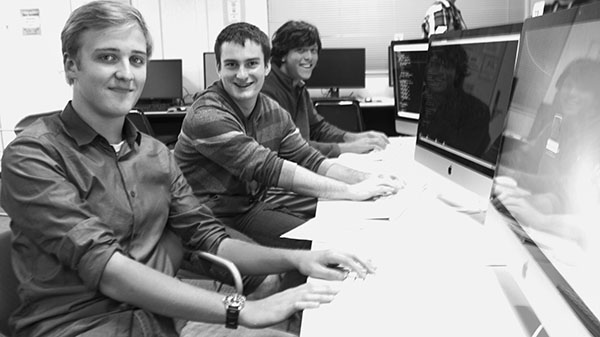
x=299 y=63
x=576 y=99
x=440 y=74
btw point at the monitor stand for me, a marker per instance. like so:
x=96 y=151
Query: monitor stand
x=334 y=92
x=459 y=198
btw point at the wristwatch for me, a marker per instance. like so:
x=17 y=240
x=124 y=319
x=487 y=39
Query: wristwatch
x=234 y=303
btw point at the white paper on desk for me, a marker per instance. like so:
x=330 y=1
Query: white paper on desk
x=330 y=230
x=388 y=208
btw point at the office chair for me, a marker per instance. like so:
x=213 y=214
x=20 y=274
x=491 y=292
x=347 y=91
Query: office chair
x=345 y=114
x=139 y=119
x=9 y=300
x=27 y=120
x=141 y=122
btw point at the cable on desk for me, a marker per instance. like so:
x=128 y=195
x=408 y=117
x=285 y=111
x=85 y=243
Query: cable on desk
x=537 y=331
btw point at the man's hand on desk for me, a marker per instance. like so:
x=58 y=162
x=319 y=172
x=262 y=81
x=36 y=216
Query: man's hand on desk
x=376 y=186
x=364 y=142
x=332 y=265
x=323 y=264
x=280 y=306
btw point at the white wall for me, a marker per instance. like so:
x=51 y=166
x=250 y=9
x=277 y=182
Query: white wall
x=33 y=77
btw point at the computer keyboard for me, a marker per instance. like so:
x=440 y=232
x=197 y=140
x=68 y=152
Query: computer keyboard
x=153 y=107
x=330 y=99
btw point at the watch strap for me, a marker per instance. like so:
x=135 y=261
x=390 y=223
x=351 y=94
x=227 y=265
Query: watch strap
x=231 y=317
x=233 y=304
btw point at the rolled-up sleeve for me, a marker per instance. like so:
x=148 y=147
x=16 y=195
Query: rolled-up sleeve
x=50 y=211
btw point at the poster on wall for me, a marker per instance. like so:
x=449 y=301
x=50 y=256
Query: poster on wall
x=233 y=11
x=31 y=21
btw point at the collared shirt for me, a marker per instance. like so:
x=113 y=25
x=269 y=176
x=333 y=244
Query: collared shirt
x=229 y=159
x=296 y=100
x=73 y=202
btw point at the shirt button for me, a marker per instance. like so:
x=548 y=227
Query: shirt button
x=132 y=194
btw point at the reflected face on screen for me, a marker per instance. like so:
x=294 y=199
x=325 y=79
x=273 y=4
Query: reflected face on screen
x=441 y=74
x=574 y=98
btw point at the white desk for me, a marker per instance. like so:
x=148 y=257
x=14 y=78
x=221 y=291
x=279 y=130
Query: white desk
x=434 y=273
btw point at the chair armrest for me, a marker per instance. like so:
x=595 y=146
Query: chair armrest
x=235 y=273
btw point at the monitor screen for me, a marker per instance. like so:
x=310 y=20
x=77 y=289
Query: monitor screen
x=210 y=69
x=545 y=204
x=468 y=82
x=164 y=81
x=390 y=66
x=409 y=58
x=339 y=68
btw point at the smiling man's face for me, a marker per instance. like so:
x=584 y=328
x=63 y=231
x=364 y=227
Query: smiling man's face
x=109 y=71
x=242 y=71
x=299 y=63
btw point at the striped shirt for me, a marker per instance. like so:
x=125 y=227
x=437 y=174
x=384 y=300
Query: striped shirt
x=229 y=159
x=296 y=100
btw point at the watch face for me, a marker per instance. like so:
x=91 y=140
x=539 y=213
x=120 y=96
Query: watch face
x=235 y=304
x=235 y=301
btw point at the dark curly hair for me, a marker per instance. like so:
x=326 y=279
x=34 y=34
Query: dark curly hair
x=291 y=35
x=454 y=56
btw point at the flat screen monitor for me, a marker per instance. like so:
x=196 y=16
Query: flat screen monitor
x=545 y=205
x=164 y=82
x=468 y=82
x=409 y=58
x=339 y=68
x=210 y=69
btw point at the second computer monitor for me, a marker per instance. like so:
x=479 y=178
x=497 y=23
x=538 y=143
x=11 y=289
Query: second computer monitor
x=210 y=69
x=164 y=82
x=339 y=68
x=468 y=83
x=408 y=59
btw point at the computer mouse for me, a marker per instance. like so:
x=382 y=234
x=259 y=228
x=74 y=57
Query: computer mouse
x=177 y=109
x=368 y=99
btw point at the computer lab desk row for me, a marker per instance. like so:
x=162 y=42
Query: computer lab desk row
x=437 y=272
x=379 y=116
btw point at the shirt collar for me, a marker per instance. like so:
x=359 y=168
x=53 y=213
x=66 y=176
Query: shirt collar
x=85 y=134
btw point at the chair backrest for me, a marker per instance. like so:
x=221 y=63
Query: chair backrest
x=141 y=122
x=345 y=114
x=27 y=120
x=9 y=299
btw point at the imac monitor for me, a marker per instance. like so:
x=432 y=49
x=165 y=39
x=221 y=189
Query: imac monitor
x=339 y=68
x=210 y=69
x=466 y=92
x=164 y=82
x=545 y=206
x=409 y=58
